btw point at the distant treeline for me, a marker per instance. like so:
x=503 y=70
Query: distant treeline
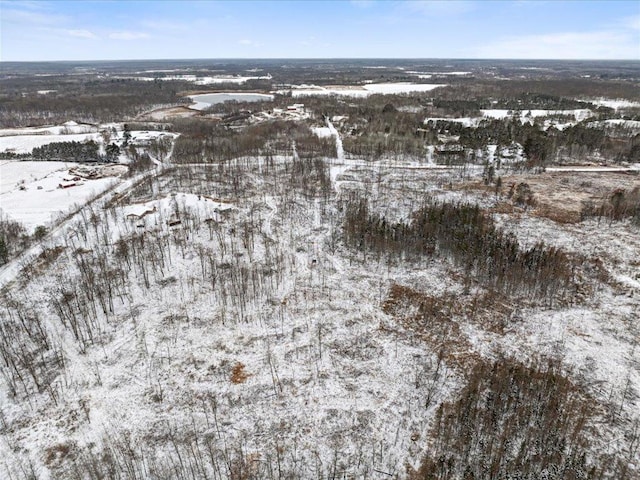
x=91 y=101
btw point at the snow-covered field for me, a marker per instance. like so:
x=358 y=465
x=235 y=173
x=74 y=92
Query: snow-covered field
x=30 y=192
x=69 y=127
x=361 y=91
x=26 y=143
x=24 y=140
x=525 y=116
x=204 y=80
x=579 y=114
x=616 y=104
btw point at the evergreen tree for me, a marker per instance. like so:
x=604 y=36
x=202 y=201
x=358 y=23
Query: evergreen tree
x=4 y=251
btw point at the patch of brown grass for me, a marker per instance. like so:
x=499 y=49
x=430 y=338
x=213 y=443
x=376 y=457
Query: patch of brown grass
x=430 y=319
x=238 y=373
x=56 y=454
x=558 y=214
x=503 y=207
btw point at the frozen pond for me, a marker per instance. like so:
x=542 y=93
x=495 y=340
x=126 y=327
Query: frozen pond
x=208 y=99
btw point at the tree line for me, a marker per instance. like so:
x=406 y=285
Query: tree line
x=468 y=236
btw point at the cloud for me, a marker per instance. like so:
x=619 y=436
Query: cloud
x=32 y=5
x=126 y=35
x=599 y=45
x=29 y=17
x=632 y=22
x=440 y=8
x=81 y=33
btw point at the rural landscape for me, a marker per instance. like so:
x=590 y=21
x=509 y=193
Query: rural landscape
x=336 y=269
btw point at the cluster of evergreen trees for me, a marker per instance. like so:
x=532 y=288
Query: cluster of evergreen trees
x=68 y=151
x=516 y=421
x=13 y=238
x=464 y=233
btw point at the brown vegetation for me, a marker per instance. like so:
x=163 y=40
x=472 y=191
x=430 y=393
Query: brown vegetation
x=238 y=374
x=515 y=420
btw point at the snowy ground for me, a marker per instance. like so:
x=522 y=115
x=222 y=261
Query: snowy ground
x=31 y=195
x=238 y=325
x=69 y=127
x=632 y=127
x=163 y=114
x=24 y=140
x=30 y=191
x=361 y=91
x=616 y=104
x=322 y=132
x=26 y=143
x=205 y=80
x=320 y=372
x=525 y=116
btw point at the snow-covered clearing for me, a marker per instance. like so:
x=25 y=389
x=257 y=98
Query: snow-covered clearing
x=206 y=207
x=31 y=192
x=26 y=143
x=203 y=80
x=439 y=74
x=616 y=104
x=631 y=126
x=361 y=91
x=322 y=132
x=13 y=173
x=396 y=88
x=579 y=114
x=69 y=127
x=162 y=114
x=597 y=339
x=525 y=116
x=631 y=168
x=465 y=121
x=142 y=136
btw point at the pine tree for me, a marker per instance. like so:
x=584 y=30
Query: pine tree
x=4 y=251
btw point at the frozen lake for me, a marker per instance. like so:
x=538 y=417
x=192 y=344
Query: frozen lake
x=208 y=99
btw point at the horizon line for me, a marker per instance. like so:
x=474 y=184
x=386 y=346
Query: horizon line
x=326 y=58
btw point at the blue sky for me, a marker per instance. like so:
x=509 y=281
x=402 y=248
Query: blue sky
x=101 y=30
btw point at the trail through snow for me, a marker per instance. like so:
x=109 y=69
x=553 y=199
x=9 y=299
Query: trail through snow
x=334 y=132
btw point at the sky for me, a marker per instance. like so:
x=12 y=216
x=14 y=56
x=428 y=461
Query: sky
x=172 y=29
